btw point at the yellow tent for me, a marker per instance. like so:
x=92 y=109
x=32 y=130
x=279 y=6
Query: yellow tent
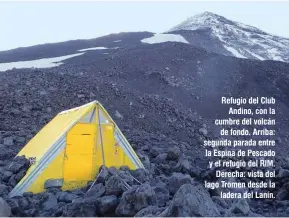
x=70 y=149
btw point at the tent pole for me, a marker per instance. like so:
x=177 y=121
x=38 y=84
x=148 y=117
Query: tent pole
x=94 y=181
x=100 y=133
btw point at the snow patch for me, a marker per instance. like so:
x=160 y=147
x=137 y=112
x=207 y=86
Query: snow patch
x=234 y=52
x=273 y=52
x=117 y=41
x=93 y=48
x=255 y=55
x=160 y=38
x=40 y=63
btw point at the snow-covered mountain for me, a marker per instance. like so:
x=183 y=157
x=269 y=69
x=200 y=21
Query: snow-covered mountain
x=218 y=34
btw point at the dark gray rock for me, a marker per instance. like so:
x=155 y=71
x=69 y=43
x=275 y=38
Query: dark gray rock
x=20 y=139
x=145 y=161
x=5 y=153
x=5 y=210
x=30 y=212
x=183 y=166
x=97 y=191
x=6 y=176
x=23 y=203
x=135 y=199
x=174 y=153
x=162 y=195
x=106 y=205
x=2 y=163
x=161 y=158
x=50 y=203
x=103 y=175
x=65 y=197
x=177 y=180
x=126 y=176
x=3 y=190
x=240 y=206
x=112 y=171
x=12 y=181
x=114 y=186
x=196 y=171
x=220 y=202
x=282 y=194
x=151 y=211
x=53 y=190
x=20 y=175
x=27 y=194
x=142 y=175
x=8 y=141
x=282 y=203
x=79 y=209
x=283 y=173
x=191 y=201
x=203 y=131
x=53 y=183
x=252 y=214
x=124 y=168
x=19 y=163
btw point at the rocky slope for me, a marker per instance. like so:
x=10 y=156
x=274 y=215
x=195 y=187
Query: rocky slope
x=164 y=95
x=161 y=96
x=218 y=34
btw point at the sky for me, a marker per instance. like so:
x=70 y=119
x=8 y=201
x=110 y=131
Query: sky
x=29 y=23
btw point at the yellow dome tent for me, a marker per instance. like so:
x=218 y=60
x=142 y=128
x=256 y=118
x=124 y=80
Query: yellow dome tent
x=72 y=147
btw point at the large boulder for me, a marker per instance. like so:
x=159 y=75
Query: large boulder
x=50 y=202
x=97 y=191
x=191 y=201
x=125 y=176
x=18 y=164
x=106 y=205
x=141 y=174
x=174 y=153
x=240 y=207
x=177 y=180
x=114 y=186
x=103 y=175
x=135 y=199
x=5 y=210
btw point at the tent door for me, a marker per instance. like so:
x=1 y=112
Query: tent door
x=79 y=155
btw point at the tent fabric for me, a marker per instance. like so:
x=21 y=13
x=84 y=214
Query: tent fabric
x=72 y=147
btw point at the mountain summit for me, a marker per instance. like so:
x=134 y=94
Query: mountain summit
x=211 y=20
x=221 y=35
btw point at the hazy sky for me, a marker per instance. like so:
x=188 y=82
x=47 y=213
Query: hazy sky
x=29 y=23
